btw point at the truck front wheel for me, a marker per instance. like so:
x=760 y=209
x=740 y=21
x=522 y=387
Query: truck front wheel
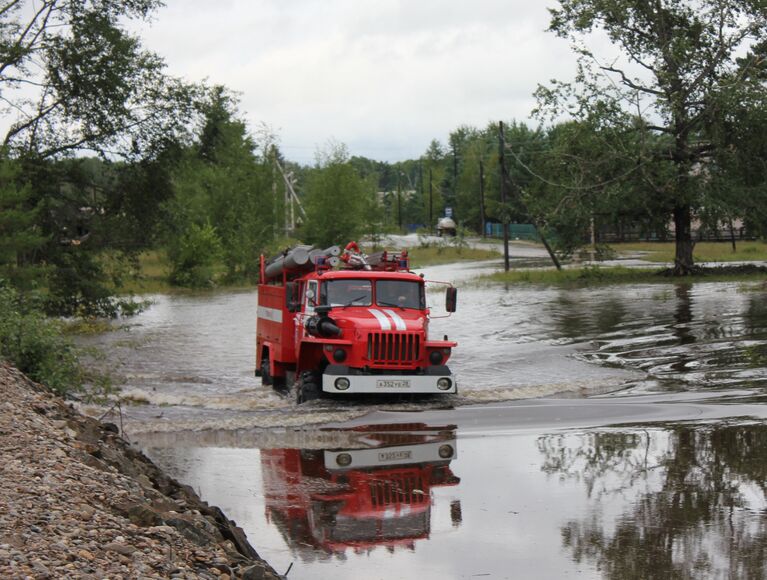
x=308 y=388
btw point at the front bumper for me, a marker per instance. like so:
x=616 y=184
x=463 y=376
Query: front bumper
x=431 y=453
x=366 y=383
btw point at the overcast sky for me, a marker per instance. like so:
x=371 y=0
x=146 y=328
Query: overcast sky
x=382 y=76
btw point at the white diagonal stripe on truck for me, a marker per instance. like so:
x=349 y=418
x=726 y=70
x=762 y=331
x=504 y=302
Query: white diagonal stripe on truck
x=398 y=322
x=382 y=320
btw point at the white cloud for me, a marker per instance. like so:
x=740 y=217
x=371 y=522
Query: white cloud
x=384 y=77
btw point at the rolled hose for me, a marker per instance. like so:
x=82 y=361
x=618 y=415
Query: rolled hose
x=322 y=326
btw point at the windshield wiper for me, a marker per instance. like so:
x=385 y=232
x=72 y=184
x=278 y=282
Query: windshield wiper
x=353 y=300
x=384 y=303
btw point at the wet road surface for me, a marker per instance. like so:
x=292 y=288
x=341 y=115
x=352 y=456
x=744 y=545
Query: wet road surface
x=661 y=472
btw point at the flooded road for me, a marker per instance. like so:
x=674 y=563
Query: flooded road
x=438 y=500
x=661 y=472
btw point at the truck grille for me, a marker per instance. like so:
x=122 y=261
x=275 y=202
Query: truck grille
x=400 y=489
x=394 y=348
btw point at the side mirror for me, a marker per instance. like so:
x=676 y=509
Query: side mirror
x=451 y=299
x=291 y=297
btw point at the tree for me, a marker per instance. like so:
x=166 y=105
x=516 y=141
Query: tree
x=19 y=232
x=433 y=172
x=670 y=88
x=336 y=199
x=222 y=193
x=72 y=77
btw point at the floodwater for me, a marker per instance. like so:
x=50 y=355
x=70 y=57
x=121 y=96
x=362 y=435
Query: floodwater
x=616 y=432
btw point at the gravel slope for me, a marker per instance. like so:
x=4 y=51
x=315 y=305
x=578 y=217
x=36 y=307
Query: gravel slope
x=76 y=501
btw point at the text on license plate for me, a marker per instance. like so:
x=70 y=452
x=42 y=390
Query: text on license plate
x=392 y=384
x=394 y=455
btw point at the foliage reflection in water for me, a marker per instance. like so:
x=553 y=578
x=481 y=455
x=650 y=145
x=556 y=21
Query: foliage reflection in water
x=692 y=500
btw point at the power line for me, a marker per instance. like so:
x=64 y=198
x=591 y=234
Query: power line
x=573 y=187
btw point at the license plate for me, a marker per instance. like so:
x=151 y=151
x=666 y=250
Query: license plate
x=389 y=384
x=394 y=455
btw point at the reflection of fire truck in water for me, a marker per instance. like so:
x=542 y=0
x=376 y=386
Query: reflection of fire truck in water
x=360 y=498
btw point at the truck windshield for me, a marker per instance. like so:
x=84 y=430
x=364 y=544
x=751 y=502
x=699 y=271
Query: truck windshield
x=400 y=293
x=346 y=293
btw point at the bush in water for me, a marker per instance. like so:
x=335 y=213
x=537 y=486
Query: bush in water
x=193 y=256
x=35 y=344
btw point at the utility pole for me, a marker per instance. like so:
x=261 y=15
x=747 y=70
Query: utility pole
x=292 y=199
x=504 y=208
x=275 y=225
x=431 y=204
x=482 y=196
x=399 y=200
x=455 y=173
x=289 y=226
x=420 y=187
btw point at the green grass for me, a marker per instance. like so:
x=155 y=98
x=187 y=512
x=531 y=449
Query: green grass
x=152 y=277
x=663 y=252
x=602 y=276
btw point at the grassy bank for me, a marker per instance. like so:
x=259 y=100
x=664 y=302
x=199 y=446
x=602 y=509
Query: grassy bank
x=602 y=276
x=663 y=252
x=152 y=274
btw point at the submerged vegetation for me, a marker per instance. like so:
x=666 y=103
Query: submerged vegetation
x=663 y=252
x=606 y=275
x=39 y=346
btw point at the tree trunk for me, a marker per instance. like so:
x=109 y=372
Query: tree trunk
x=683 y=262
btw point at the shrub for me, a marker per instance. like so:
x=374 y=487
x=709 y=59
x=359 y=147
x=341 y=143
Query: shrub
x=193 y=256
x=35 y=344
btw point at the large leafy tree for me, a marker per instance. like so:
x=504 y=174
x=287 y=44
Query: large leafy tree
x=72 y=77
x=678 y=67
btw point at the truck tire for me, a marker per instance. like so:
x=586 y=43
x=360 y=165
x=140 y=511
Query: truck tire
x=308 y=388
x=266 y=378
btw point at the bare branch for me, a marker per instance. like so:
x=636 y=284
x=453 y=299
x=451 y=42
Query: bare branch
x=631 y=84
x=8 y=6
x=21 y=45
x=19 y=127
x=659 y=129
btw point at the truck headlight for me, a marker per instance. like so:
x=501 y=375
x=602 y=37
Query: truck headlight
x=444 y=383
x=435 y=357
x=339 y=355
x=342 y=383
x=343 y=459
x=446 y=451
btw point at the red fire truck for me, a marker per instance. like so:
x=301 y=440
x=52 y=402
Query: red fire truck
x=334 y=322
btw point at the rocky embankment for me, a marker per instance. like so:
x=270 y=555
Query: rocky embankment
x=76 y=501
